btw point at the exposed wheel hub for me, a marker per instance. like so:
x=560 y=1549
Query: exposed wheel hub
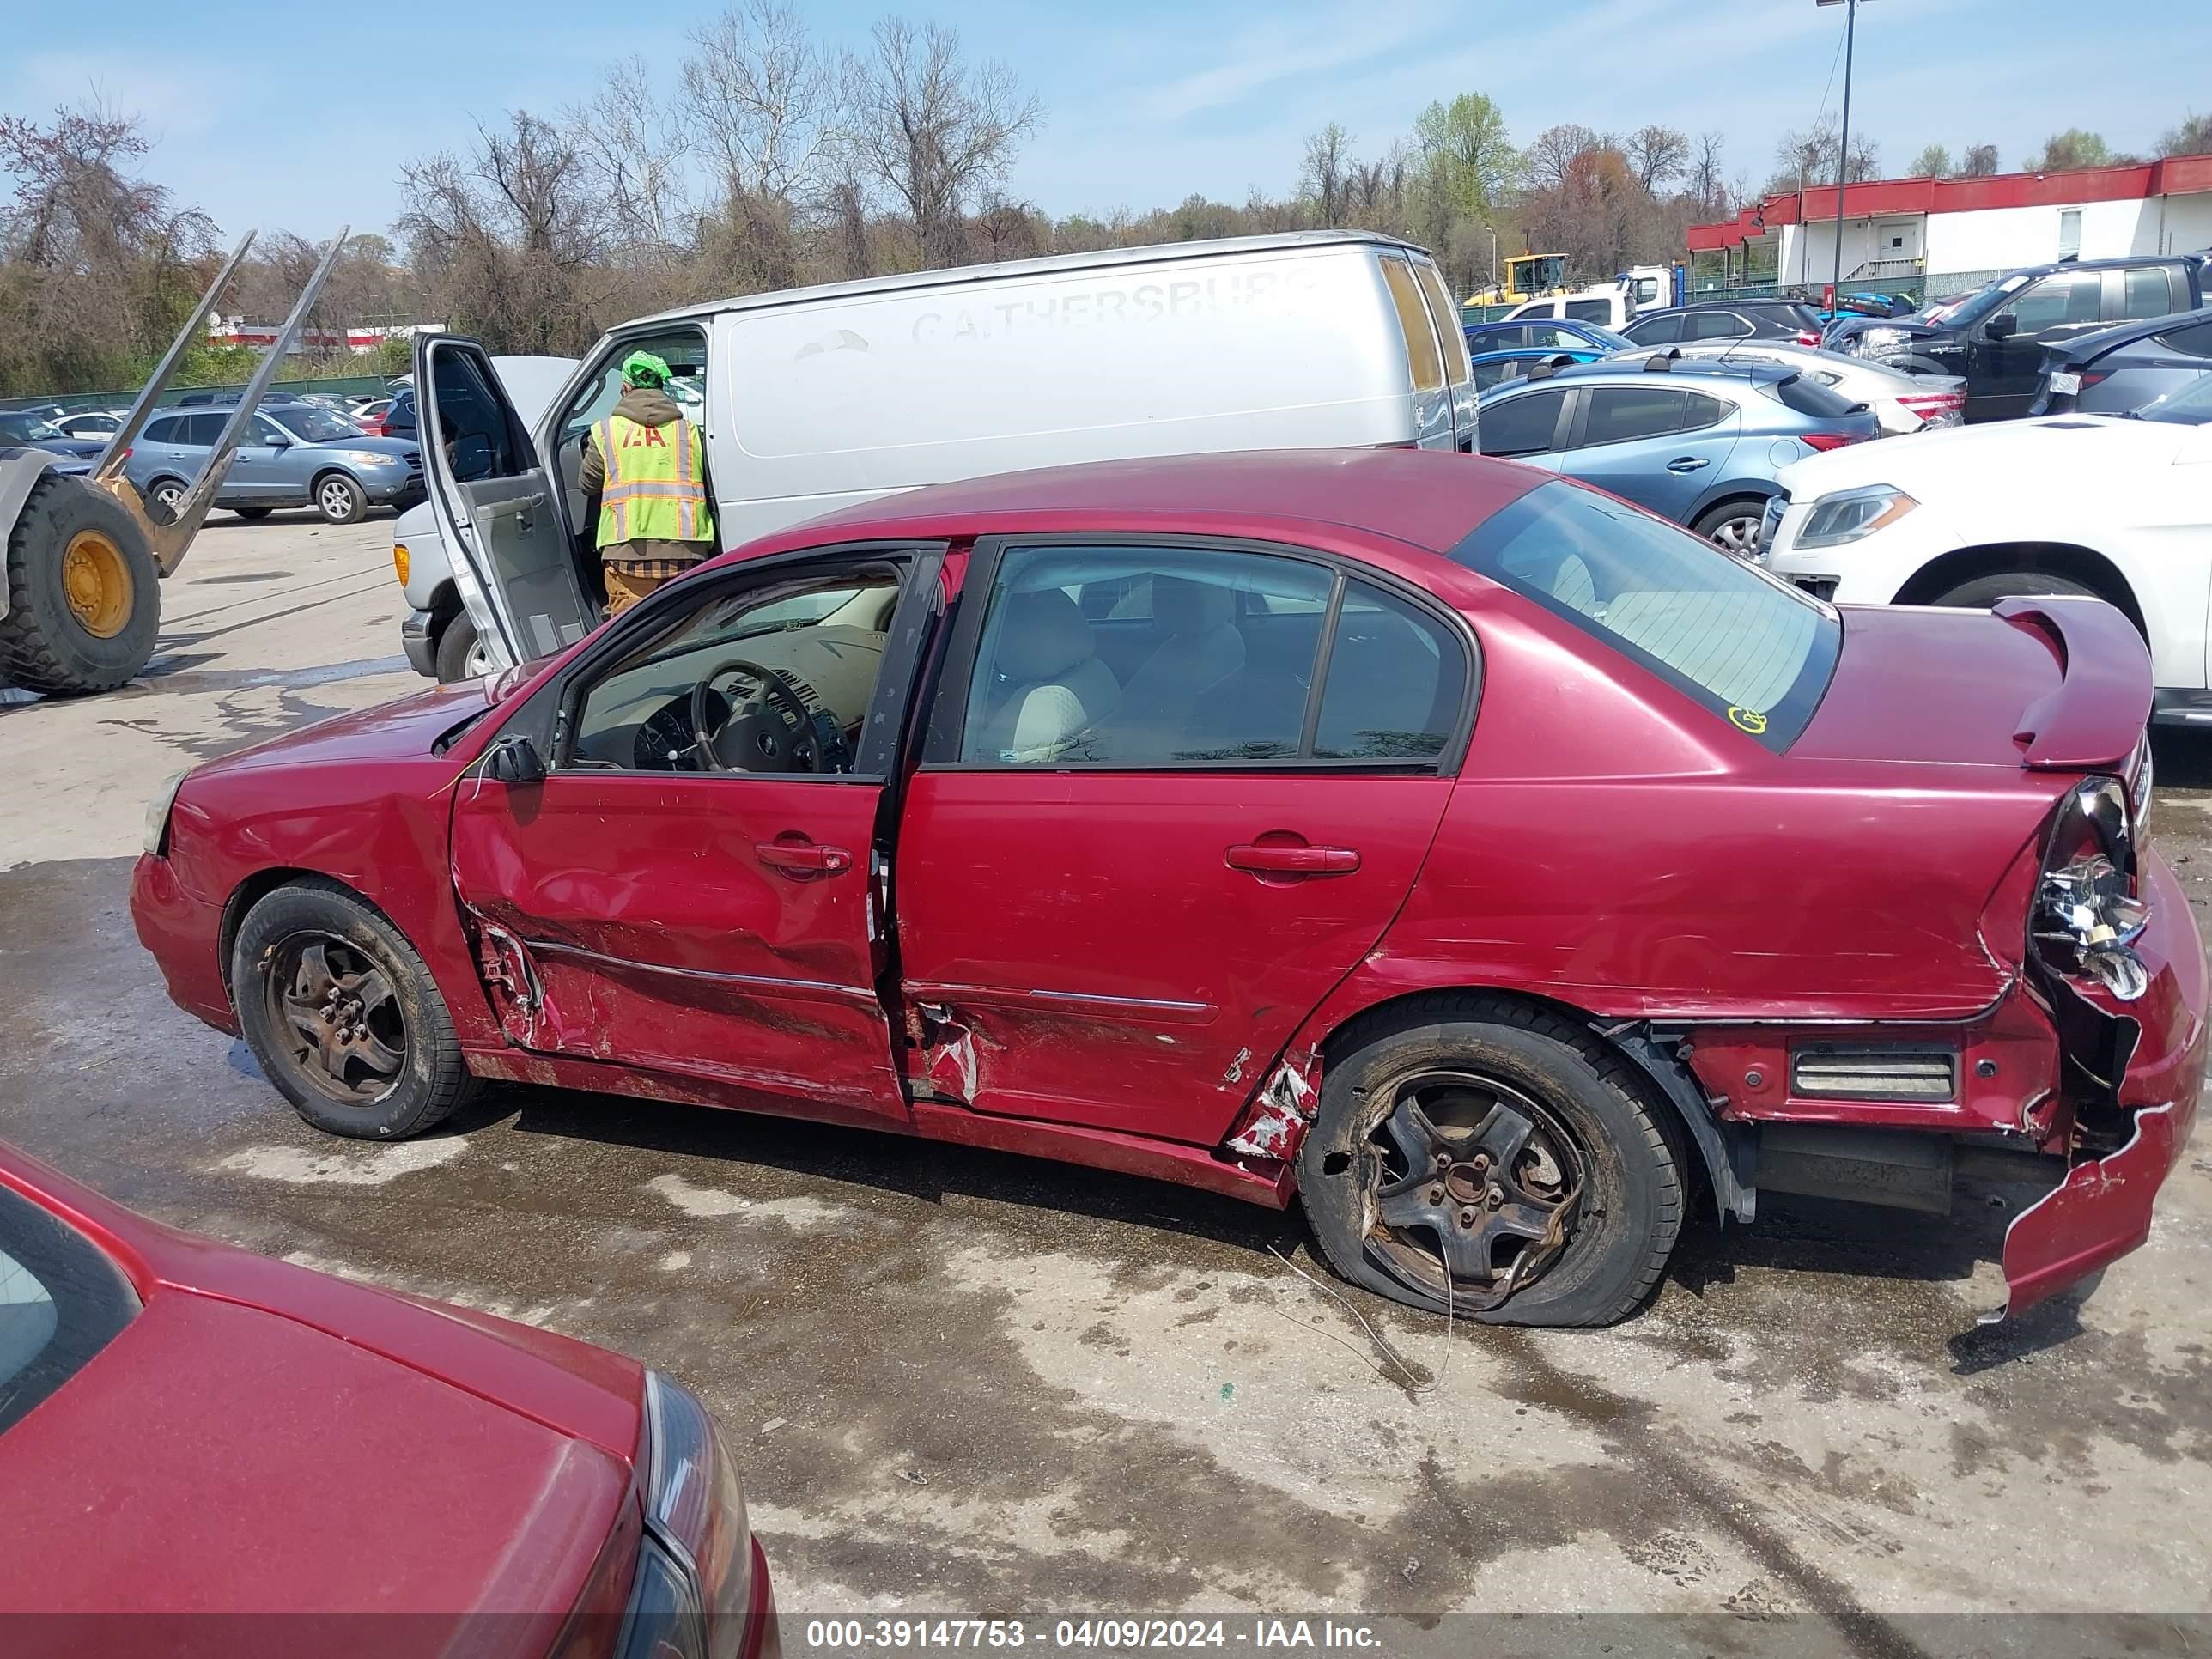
x=1477 y=1187
x=339 y=1017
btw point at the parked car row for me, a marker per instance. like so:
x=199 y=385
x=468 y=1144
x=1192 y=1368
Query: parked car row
x=296 y=454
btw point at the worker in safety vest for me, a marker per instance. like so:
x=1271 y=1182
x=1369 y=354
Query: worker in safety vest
x=647 y=464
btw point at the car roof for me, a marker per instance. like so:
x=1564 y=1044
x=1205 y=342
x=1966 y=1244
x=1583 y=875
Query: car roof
x=1717 y=305
x=1428 y=499
x=2127 y=333
x=1630 y=365
x=1050 y=265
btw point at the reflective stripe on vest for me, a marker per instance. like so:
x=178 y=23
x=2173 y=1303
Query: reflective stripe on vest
x=655 y=490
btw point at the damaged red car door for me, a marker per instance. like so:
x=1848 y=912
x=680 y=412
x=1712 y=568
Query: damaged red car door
x=1172 y=793
x=689 y=890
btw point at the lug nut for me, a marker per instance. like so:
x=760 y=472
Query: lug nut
x=1495 y=1197
x=1436 y=1194
x=1467 y=1218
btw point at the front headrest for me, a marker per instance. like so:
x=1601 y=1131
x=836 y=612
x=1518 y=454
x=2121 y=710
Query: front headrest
x=1183 y=606
x=1043 y=635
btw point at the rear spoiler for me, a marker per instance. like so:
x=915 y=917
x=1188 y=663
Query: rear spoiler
x=2094 y=718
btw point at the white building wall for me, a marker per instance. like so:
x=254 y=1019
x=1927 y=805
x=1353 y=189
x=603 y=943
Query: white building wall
x=1996 y=239
x=2185 y=225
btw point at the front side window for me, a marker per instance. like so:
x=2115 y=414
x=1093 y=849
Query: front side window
x=2145 y=293
x=2072 y=296
x=1521 y=425
x=1144 y=656
x=61 y=1301
x=776 y=677
x=1589 y=311
x=1749 y=648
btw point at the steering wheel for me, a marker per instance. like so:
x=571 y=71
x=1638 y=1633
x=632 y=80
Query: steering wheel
x=785 y=739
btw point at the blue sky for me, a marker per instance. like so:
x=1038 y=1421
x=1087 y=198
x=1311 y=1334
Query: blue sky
x=298 y=116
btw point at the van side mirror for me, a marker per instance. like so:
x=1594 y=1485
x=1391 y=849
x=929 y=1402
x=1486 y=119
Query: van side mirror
x=514 y=761
x=2002 y=326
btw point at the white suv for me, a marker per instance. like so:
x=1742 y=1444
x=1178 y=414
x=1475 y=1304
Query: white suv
x=2116 y=506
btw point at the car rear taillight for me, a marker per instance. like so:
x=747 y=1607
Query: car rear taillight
x=1936 y=408
x=2091 y=376
x=1829 y=439
x=1809 y=337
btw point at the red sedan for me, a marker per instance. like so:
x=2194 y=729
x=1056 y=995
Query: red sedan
x=189 y=1431
x=1480 y=860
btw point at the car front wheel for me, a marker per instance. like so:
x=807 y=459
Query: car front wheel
x=343 y=1015
x=461 y=653
x=1494 y=1158
x=1985 y=590
x=340 y=499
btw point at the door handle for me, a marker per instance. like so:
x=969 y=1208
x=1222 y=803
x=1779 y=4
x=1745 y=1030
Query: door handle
x=803 y=858
x=1686 y=464
x=1292 y=858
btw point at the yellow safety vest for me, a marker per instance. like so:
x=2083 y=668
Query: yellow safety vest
x=656 y=489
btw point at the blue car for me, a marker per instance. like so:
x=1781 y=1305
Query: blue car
x=1544 y=333
x=1495 y=368
x=1695 y=440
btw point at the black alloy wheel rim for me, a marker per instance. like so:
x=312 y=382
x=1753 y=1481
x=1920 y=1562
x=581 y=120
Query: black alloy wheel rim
x=1476 y=1187
x=336 y=1018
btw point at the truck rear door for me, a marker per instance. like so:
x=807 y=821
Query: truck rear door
x=1433 y=426
x=492 y=495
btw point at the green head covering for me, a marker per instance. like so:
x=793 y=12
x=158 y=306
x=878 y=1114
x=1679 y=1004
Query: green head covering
x=643 y=369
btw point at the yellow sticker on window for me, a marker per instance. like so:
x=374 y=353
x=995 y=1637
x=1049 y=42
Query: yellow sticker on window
x=1749 y=719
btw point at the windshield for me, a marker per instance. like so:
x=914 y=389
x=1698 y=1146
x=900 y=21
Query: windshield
x=312 y=425
x=27 y=428
x=1961 y=313
x=1751 y=649
x=61 y=1299
x=2191 y=406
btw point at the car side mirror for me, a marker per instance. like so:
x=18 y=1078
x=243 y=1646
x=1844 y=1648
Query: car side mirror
x=2002 y=326
x=514 y=761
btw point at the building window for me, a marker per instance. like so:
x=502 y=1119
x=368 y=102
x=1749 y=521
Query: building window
x=2069 y=233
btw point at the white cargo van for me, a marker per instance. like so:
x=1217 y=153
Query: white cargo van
x=815 y=399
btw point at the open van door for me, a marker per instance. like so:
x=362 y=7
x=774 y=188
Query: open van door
x=493 y=497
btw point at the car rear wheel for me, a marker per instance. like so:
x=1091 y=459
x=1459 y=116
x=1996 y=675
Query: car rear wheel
x=1985 y=590
x=461 y=653
x=1480 y=1150
x=167 y=495
x=343 y=1016
x=1733 y=527
x=340 y=499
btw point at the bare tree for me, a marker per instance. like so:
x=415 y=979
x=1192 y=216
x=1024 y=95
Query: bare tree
x=1328 y=173
x=1933 y=162
x=1706 y=182
x=1980 y=161
x=512 y=241
x=933 y=130
x=633 y=151
x=1807 y=159
x=1655 y=155
x=2193 y=137
x=760 y=92
x=1551 y=154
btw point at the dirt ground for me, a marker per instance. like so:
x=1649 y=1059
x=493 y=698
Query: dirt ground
x=960 y=1381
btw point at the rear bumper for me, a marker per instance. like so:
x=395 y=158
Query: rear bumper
x=2102 y=1209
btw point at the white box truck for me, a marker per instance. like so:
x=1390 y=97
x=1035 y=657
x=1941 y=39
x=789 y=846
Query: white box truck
x=814 y=398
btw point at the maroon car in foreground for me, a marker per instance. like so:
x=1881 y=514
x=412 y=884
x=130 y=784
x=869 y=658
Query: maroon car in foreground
x=192 y=1435
x=1492 y=866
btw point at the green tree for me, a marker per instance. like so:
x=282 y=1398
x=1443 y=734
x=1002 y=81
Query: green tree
x=1471 y=160
x=1933 y=162
x=2071 y=148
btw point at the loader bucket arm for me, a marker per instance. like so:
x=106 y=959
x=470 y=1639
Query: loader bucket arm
x=169 y=541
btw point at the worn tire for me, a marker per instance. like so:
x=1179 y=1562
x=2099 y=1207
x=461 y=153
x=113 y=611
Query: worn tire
x=1633 y=1206
x=434 y=1080
x=1717 y=520
x=253 y=514
x=43 y=644
x=454 y=646
x=340 y=499
x=1985 y=590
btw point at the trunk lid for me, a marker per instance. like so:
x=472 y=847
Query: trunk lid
x=2045 y=683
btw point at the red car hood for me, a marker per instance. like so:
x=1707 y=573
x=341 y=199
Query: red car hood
x=2044 y=682
x=262 y=1438
x=406 y=725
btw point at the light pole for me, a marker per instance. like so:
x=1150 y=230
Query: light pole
x=1843 y=144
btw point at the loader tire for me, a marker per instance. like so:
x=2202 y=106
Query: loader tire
x=83 y=597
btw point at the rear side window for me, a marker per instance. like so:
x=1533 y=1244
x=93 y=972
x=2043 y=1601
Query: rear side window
x=1414 y=322
x=2195 y=341
x=1619 y=413
x=201 y=431
x=1718 y=325
x=1749 y=648
x=167 y=430
x=1664 y=330
x=1809 y=396
x=1395 y=679
x=61 y=1302
x=1521 y=425
x=1440 y=313
x=2146 y=291
x=1699 y=409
